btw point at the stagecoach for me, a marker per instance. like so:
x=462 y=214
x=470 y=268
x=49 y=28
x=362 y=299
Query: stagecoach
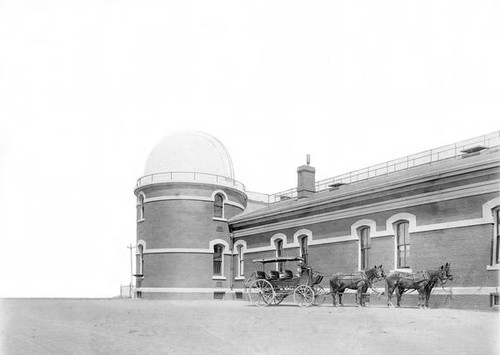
x=271 y=288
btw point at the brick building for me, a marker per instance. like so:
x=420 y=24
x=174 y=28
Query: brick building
x=198 y=229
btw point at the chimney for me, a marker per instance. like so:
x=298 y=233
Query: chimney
x=306 y=180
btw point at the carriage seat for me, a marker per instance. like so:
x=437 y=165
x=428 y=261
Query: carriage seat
x=274 y=275
x=261 y=275
x=287 y=274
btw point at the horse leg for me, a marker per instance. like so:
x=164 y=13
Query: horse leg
x=388 y=292
x=420 y=299
x=341 y=293
x=399 y=294
x=427 y=296
x=363 y=292
x=359 y=297
x=334 y=289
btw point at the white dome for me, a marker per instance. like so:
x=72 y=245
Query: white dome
x=190 y=152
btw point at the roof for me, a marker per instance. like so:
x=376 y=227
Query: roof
x=413 y=175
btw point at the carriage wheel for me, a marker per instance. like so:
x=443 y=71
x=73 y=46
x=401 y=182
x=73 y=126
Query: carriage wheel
x=303 y=295
x=261 y=293
x=278 y=299
x=319 y=295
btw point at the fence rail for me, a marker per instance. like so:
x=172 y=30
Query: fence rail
x=182 y=176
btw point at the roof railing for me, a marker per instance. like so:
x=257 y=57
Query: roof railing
x=451 y=151
x=184 y=176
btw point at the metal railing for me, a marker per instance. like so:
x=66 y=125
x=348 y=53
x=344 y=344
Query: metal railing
x=450 y=151
x=182 y=176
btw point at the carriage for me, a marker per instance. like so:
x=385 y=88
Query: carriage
x=264 y=289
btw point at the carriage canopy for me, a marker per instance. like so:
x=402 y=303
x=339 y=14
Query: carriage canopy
x=279 y=259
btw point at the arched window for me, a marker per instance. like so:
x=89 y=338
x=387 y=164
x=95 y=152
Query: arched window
x=496 y=236
x=218 y=259
x=139 y=265
x=140 y=208
x=241 y=262
x=364 y=246
x=219 y=206
x=303 y=248
x=402 y=244
x=279 y=253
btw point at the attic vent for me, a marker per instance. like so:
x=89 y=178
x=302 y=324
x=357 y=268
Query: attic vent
x=336 y=185
x=475 y=149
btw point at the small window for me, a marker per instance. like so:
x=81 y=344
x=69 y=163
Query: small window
x=219 y=295
x=279 y=253
x=139 y=265
x=218 y=259
x=403 y=244
x=140 y=208
x=241 y=262
x=494 y=299
x=219 y=206
x=303 y=248
x=364 y=246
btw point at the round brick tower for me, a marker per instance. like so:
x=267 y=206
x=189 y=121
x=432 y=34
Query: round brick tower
x=184 y=200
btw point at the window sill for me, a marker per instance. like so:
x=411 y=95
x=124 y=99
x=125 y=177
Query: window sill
x=239 y=278
x=219 y=219
x=493 y=267
x=218 y=278
x=402 y=270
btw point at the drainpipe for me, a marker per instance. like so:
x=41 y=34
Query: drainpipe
x=231 y=273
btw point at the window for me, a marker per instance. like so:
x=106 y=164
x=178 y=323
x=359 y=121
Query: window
x=140 y=209
x=496 y=236
x=218 y=259
x=303 y=248
x=241 y=263
x=364 y=246
x=403 y=244
x=279 y=253
x=218 y=206
x=139 y=265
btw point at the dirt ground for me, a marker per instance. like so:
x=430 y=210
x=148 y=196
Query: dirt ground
x=121 y=326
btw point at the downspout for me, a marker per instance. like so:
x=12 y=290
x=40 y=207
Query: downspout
x=231 y=272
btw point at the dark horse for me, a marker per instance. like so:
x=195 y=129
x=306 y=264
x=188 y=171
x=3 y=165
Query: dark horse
x=423 y=282
x=359 y=281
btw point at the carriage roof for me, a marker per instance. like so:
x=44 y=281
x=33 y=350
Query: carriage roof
x=278 y=259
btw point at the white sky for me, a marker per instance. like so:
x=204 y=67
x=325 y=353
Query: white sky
x=87 y=88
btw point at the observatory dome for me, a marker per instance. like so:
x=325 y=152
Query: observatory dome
x=190 y=152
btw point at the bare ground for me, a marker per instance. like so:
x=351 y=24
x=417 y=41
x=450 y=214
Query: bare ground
x=69 y=326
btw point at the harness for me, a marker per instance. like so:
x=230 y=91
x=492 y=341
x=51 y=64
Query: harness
x=361 y=277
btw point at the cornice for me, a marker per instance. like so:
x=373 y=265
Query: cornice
x=403 y=202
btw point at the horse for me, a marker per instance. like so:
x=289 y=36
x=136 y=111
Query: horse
x=359 y=281
x=422 y=281
x=425 y=294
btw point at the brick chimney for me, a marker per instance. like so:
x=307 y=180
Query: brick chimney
x=306 y=180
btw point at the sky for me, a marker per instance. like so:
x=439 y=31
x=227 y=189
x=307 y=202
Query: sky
x=88 y=88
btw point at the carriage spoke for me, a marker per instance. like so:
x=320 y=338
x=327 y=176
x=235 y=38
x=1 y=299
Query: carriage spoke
x=303 y=296
x=261 y=293
x=319 y=295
